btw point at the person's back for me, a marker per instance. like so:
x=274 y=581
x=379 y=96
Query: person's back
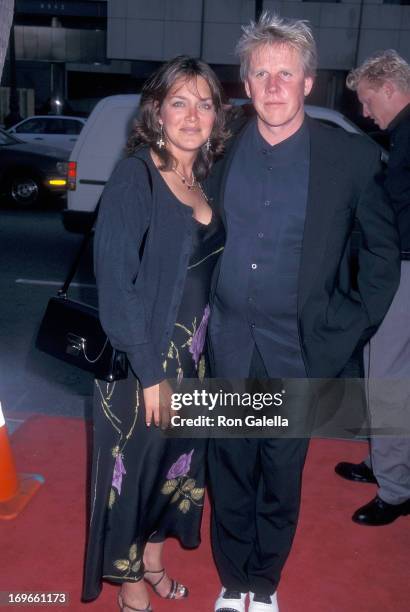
x=382 y=84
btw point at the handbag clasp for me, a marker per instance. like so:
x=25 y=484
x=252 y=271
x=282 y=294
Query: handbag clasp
x=75 y=344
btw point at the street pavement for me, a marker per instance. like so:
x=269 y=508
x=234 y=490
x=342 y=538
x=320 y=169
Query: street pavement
x=35 y=254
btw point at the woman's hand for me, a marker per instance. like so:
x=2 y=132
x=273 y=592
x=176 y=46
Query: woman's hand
x=151 y=402
x=157 y=401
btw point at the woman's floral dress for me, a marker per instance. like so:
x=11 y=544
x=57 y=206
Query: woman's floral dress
x=146 y=487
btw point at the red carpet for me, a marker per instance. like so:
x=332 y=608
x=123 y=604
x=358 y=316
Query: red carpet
x=335 y=566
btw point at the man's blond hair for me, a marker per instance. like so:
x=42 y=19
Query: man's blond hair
x=380 y=67
x=272 y=29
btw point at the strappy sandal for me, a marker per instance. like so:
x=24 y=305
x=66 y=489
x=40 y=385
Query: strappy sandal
x=177 y=590
x=124 y=605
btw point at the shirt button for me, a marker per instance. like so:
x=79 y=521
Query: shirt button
x=250 y=299
x=260 y=235
x=254 y=266
x=253 y=325
x=270 y=168
x=267 y=202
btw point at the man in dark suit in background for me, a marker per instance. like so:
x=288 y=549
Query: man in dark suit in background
x=382 y=84
x=283 y=303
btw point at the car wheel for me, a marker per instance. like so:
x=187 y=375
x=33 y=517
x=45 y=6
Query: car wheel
x=24 y=190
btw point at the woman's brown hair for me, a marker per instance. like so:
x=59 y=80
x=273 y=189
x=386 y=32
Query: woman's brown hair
x=147 y=129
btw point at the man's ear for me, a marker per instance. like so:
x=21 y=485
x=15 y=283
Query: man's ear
x=247 y=88
x=308 y=85
x=388 y=89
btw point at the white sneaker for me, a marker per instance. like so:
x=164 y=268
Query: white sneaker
x=230 y=601
x=266 y=604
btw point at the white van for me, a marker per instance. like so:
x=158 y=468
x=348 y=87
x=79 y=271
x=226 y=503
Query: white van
x=100 y=145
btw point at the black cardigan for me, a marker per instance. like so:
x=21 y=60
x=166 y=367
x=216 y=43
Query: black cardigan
x=139 y=298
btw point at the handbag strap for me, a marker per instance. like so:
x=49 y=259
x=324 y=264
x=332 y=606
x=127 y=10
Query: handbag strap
x=62 y=292
x=76 y=262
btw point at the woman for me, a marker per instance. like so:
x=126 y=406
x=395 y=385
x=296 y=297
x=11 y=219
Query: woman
x=156 y=243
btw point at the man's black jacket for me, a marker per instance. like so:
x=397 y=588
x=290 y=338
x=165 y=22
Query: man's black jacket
x=335 y=315
x=398 y=176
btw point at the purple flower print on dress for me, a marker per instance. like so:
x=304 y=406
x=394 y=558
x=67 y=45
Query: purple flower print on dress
x=119 y=471
x=181 y=466
x=198 y=339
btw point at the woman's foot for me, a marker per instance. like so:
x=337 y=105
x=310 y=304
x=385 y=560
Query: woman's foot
x=165 y=587
x=133 y=597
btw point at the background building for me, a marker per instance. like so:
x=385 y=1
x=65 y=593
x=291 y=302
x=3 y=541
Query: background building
x=57 y=43
x=87 y=49
x=346 y=32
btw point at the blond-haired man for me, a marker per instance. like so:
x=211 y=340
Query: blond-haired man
x=382 y=84
x=283 y=305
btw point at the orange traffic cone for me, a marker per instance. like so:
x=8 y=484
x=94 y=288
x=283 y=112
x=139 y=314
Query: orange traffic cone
x=15 y=490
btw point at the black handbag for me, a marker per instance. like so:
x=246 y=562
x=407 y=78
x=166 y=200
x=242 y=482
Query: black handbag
x=72 y=332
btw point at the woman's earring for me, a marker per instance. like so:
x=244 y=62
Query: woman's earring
x=208 y=145
x=161 y=141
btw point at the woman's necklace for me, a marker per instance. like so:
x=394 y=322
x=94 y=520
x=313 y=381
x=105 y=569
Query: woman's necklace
x=185 y=180
x=203 y=193
x=191 y=185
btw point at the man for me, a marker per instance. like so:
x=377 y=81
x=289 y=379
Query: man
x=382 y=84
x=283 y=304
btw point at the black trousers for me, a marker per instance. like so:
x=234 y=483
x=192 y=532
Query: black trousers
x=255 y=493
